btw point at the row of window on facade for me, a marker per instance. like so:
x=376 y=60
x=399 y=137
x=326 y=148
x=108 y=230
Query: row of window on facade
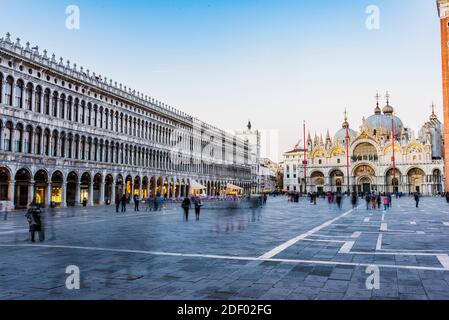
x=49 y=143
x=78 y=111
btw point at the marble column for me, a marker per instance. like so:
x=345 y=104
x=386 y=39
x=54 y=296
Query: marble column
x=102 y=186
x=90 y=200
x=48 y=195
x=77 y=194
x=31 y=192
x=11 y=195
x=64 y=195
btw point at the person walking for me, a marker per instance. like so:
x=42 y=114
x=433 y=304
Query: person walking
x=161 y=202
x=198 y=205
x=390 y=200
x=136 y=202
x=386 y=203
x=379 y=201
x=117 y=203
x=186 y=206
x=338 y=199
x=368 y=201
x=123 y=200
x=156 y=202
x=354 y=200
x=150 y=204
x=417 y=199
x=265 y=198
x=34 y=220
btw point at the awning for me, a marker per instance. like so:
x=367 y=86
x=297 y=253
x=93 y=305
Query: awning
x=231 y=186
x=196 y=186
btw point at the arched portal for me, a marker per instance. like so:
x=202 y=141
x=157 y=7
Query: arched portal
x=365 y=177
x=128 y=187
x=96 y=192
x=22 y=189
x=40 y=187
x=136 y=190
x=317 y=182
x=5 y=180
x=416 y=180
x=145 y=186
x=437 y=182
x=336 y=181
x=72 y=187
x=108 y=185
x=392 y=181
x=57 y=179
x=85 y=185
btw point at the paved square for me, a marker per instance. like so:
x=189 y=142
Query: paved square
x=283 y=251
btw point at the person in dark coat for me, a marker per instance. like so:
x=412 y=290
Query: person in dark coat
x=198 y=205
x=338 y=199
x=186 y=206
x=417 y=199
x=123 y=200
x=136 y=202
x=368 y=201
x=34 y=220
x=117 y=203
x=354 y=200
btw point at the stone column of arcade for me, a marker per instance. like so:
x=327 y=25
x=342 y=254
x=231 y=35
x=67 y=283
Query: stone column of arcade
x=48 y=195
x=11 y=195
x=63 y=194
x=31 y=192
x=90 y=201
x=77 y=194
x=102 y=186
x=114 y=186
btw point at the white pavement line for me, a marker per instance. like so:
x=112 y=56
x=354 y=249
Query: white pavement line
x=396 y=253
x=413 y=223
x=444 y=260
x=356 y=234
x=324 y=240
x=347 y=247
x=292 y=261
x=366 y=220
x=446 y=224
x=288 y=244
x=379 y=242
x=383 y=217
x=383 y=227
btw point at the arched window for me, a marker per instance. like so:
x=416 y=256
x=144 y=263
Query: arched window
x=62 y=145
x=54 y=143
x=47 y=138
x=28 y=140
x=18 y=138
x=54 y=104
x=8 y=136
x=8 y=90
x=19 y=93
x=89 y=114
x=365 y=152
x=83 y=112
x=47 y=102
x=38 y=100
x=29 y=97
x=69 y=108
x=76 y=110
x=37 y=140
x=62 y=103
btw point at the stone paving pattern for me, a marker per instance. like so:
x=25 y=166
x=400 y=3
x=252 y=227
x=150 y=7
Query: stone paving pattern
x=216 y=258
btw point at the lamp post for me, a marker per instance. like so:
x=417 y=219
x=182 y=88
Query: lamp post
x=305 y=160
x=346 y=124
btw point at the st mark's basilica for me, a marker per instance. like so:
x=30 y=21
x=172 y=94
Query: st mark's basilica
x=416 y=165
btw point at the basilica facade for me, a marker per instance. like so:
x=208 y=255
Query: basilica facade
x=68 y=135
x=363 y=160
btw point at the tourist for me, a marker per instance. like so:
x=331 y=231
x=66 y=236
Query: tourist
x=161 y=202
x=390 y=200
x=373 y=201
x=186 y=206
x=416 y=199
x=354 y=200
x=156 y=202
x=447 y=197
x=150 y=204
x=136 y=202
x=124 y=200
x=368 y=201
x=34 y=220
x=198 y=205
x=265 y=198
x=117 y=203
x=386 y=203
x=84 y=202
x=379 y=201
x=338 y=199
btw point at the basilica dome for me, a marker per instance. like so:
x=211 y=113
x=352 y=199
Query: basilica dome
x=341 y=135
x=381 y=123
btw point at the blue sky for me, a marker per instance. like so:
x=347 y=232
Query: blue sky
x=276 y=62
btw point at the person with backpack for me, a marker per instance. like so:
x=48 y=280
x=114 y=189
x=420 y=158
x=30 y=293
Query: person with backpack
x=368 y=201
x=186 y=207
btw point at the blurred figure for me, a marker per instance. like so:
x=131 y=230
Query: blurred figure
x=368 y=201
x=354 y=199
x=198 y=205
x=386 y=203
x=338 y=199
x=34 y=220
x=417 y=199
x=123 y=200
x=186 y=206
x=117 y=203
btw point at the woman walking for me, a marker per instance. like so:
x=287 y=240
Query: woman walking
x=34 y=220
